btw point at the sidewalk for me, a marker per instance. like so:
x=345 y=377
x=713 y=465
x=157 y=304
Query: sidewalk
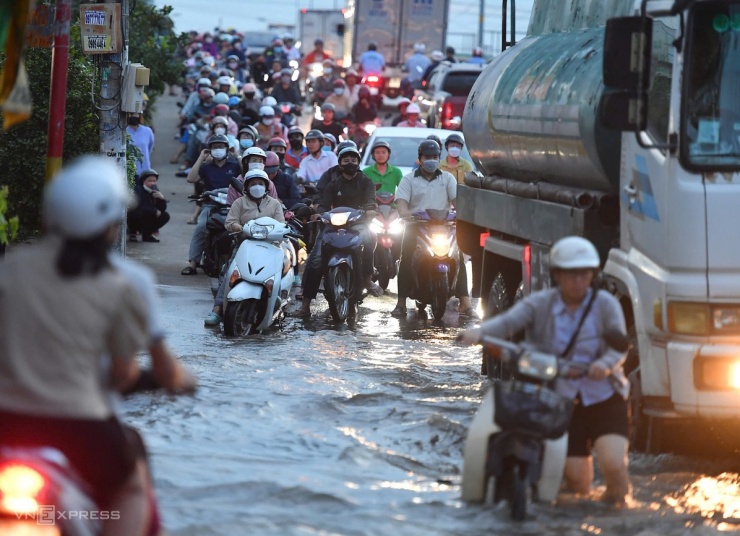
x=170 y=256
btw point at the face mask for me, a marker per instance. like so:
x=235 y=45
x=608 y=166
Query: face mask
x=219 y=130
x=255 y=165
x=281 y=157
x=338 y=91
x=285 y=80
x=233 y=65
x=326 y=148
x=296 y=145
x=454 y=152
x=208 y=40
x=328 y=71
x=278 y=50
x=350 y=169
x=430 y=166
x=133 y=121
x=249 y=95
x=238 y=46
x=246 y=143
x=271 y=170
x=267 y=121
x=218 y=154
x=257 y=191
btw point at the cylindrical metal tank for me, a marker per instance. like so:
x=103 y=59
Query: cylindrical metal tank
x=532 y=113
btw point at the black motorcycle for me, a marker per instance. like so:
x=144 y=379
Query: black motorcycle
x=218 y=244
x=388 y=226
x=341 y=257
x=436 y=260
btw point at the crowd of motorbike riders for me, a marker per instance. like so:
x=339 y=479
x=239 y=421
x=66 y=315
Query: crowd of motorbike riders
x=283 y=173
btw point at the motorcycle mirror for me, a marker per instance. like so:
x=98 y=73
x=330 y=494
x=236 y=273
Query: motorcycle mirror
x=237 y=184
x=617 y=340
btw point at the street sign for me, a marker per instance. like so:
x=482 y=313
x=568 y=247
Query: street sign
x=100 y=27
x=40 y=27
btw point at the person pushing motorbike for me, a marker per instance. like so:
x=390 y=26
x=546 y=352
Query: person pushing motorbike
x=570 y=320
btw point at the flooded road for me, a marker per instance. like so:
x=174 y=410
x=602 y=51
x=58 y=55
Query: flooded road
x=321 y=429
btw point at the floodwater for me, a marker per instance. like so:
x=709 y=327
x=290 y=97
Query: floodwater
x=322 y=429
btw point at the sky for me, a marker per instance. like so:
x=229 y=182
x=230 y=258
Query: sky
x=256 y=15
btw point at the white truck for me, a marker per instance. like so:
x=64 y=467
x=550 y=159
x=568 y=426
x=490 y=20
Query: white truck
x=619 y=120
x=325 y=24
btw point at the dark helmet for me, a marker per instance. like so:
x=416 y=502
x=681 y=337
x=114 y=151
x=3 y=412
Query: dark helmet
x=372 y=46
x=295 y=130
x=217 y=138
x=347 y=151
x=344 y=144
x=232 y=57
x=381 y=143
x=147 y=173
x=435 y=138
x=429 y=148
x=277 y=142
x=454 y=138
x=314 y=134
x=301 y=211
x=318 y=42
x=363 y=92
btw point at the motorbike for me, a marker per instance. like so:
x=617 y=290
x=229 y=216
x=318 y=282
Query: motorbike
x=218 y=245
x=290 y=111
x=260 y=277
x=41 y=494
x=388 y=226
x=516 y=446
x=435 y=261
x=341 y=257
x=360 y=132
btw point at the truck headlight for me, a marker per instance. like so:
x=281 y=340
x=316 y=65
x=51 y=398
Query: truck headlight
x=717 y=373
x=691 y=318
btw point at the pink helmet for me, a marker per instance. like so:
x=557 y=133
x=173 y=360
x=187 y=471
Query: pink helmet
x=272 y=159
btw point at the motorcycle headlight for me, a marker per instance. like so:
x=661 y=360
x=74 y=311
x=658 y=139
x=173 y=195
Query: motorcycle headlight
x=377 y=226
x=440 y=244
x=340 y=218
x=370 y=128
x=538 y=365
x=396 y=227
x=259 y=232
x=293 y=64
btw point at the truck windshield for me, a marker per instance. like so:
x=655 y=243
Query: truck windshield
x=711 y=120
x=459 y=84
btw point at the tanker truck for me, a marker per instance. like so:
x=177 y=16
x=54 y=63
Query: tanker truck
x=619 y=121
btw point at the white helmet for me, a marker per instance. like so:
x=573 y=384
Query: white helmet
x=267 y=111
x=224 y=81
x=85 y=198
x=573 y=252
x=256 y=174
x=269 y=101
x=413 y=108
x=221 y=98
x=419 y=47
x=437 y=55
x=204 y=82
x=254 y=151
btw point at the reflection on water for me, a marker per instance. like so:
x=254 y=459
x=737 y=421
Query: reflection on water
x=711 y=497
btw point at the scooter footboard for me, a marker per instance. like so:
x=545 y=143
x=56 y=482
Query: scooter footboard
x=475 y=452
x=553 y=466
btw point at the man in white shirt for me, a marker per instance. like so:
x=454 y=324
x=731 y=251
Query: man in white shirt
x=316 y=163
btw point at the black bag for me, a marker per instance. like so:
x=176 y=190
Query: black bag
x=531 y=409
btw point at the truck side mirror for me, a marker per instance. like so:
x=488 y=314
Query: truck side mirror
x=626 y=69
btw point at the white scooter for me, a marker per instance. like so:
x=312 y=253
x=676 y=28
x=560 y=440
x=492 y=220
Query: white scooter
x=260 y=278
x=517 y=443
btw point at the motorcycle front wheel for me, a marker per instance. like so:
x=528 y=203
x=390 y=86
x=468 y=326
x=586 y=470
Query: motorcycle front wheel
x=338 y=288
x=518 y=493
x=440 y=291
x=240 y=318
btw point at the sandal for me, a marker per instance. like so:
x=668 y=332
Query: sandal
x=192 y=221
x=399 y=311
x=189 y=271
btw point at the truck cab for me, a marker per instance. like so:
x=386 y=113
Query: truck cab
x=620 y=122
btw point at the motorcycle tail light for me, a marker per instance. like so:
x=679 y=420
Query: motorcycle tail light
x=21 y=488
x=372 y=79
x=440 y=244
x=235 y=276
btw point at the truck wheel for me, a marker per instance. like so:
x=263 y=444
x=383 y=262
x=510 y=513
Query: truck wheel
x=498 y=300
x=639 y=421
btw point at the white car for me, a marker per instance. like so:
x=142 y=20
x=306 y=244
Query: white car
x=404 y=144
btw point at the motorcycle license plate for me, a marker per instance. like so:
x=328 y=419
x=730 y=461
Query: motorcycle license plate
x=394 y=82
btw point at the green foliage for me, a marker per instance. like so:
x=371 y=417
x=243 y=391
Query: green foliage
x=153 y=43
x=23 y=147
x=133 y=155
x=8 y=228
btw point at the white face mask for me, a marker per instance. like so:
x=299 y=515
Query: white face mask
x=256 y=165
x=328 y=71
x=219 y=130
x=218 y=154
x=267 y=121
x=257 y=191
x=454 y=152
x=338 y=91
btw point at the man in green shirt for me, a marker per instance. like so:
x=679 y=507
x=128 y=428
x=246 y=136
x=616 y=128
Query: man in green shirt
x=381 y=172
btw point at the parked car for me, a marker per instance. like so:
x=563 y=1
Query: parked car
x=404 y=144
x=442 y=99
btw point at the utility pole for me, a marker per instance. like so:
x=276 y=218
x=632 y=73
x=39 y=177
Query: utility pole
x=481 y=22
x=112 y=119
